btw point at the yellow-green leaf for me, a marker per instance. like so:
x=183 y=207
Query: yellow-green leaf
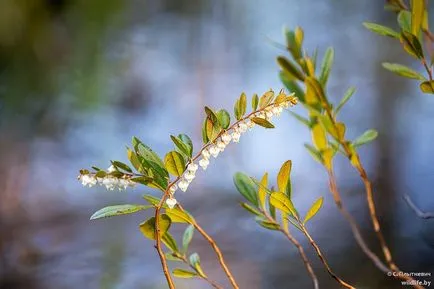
x=268 y=225
x=319 y=136
x=170 y=242
x=427 y=87
x=262 y=122
x=174 y=163
x=326 y=66
x=284 y=178
x=404 y=20
x=283 y=203
x=148 y=227
x=255 y=101
x=181 y=273
x=417 y=15
x=403 y=70
x=179 y=216
x=240 y=106
x=262 y=190
x=289 y=68
x=224 y=118
x=118 y=210
x=327 y=155
x=314 y=209
x=250 y=209
x=348 y=94
x=381 y=30
x=366 y=137
x=411 y=44
x=266 y=99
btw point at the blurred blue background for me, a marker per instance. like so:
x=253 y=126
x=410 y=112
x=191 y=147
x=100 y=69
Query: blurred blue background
x=79 y=78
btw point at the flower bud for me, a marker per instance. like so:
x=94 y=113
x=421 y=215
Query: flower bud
x=171 y=202
x=183 y=185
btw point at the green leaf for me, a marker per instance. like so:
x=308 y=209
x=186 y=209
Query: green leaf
x=195 y=262
x=284 y=178
x=146 y=152
x=121 y=166
x=283 y=203
x=314 y=209
x=211 y=114
x=205 y=138
x=170 y=242
x=181 y=273
x=173 y=257
x=255 y=102
x=179 y=216
x=134 y=160
x=268 y=225
x=240 y=106
x=382 y=30
x=292 y=86
x=411 y=45
x=301 y=119
x=186 y=140
x=417 y=15
x=251 y=209
x=212 y=128
x=187 y=237
x=266 y=99
x=314 y=91
x=348 y=94
x=118 y=210
x=148 y=227
x=224 y=118
x=365 y=138
x=262 y=122
x=404 y=20
x=262 y=192
x=403 y=70
x=290 y=69
x=246 y=187
x=174 y=163
x=316 y=155
x=326 y=66
x=153 y=200
x=182 y=147
x=427 y=87
x=293 y=43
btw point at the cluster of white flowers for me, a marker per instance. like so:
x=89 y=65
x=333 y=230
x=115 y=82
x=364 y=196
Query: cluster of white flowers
x=220 y=144
x=110 y=182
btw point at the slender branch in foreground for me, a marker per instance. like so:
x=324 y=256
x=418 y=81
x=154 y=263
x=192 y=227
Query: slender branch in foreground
x=353 y=224
x=299 y=248
x=357 y=233
x=158 y=244
x=419 y=212
x=216 y=250
x=323 y=260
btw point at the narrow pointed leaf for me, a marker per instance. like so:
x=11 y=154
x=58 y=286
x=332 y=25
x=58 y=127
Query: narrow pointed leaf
x=174 y=163
x=365 y=138
x=246 y=187
x=326 y=66
x=148 y=227
x=403 y=70
x=417 y=15
x=289 y=68
x=283 y=203
x=170 y=242
x=262 y=193
x=381 y=30
x=187 y=237
x=179 y=216
x=284 y=178
x=118 y=210
x=251 y=209
x=314 y=209
x=348 y=94
x=182 y=147
x=181 y=273
x=262 y=122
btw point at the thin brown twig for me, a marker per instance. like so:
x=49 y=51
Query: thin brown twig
x=322 y=258
x=353 y=224
x=356 y=231
x=158 y=244
x=300 y=249
x=216 y=250
x=419 y=212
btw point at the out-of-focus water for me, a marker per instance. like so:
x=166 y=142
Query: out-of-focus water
x=166 y=68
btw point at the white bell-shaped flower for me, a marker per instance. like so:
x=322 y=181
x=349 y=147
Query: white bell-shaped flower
x=226 y=138
x=221 y=145
x=268 y=114
x=242 y=127
x=205 y=154
x=183 y=185
x=111 y=169
x=189 y=176
x=214 y=150
x=250 y=124
x=123 y=184
x=192 y=167
x=171 y=202
x=236 y=136
x=203 y=163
